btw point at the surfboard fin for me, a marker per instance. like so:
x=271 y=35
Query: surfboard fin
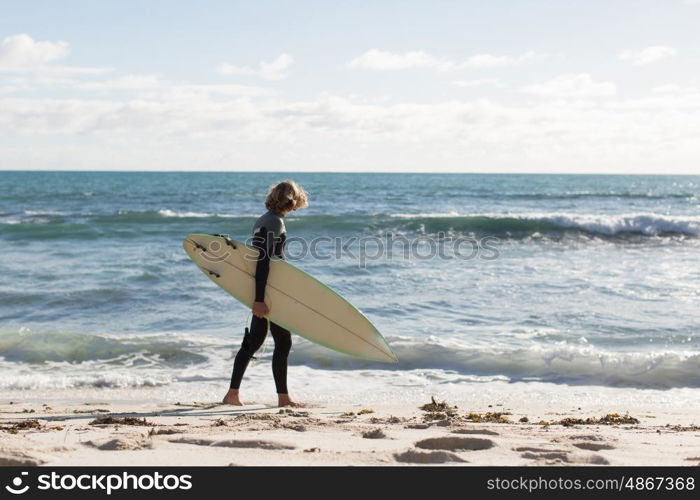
x=227 y=240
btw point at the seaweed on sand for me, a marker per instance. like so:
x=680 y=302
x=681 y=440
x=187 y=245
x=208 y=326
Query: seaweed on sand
x=21 y=426
x=489 y=417
x=109 y=420
x=609 y=419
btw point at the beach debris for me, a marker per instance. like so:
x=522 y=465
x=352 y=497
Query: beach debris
x=110 y=420
x=28 y=411
x=434 y=407
x=615 y=419
x=365 y=411
x=438 y=411
x=218 y=422
x=312 y=450
x=488 y=417
x=609 y=419
x=435 y=415
x=524 y=420
x=683 y=428
x=22 y=425
x=377 y=433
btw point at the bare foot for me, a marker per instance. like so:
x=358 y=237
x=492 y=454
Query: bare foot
x=285 y=400
x=231 y=398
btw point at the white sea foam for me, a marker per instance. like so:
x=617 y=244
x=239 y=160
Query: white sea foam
x=608 y=225
x=86 y=360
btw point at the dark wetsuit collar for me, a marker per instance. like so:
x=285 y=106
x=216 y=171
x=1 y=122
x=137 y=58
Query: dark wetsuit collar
x=277 y=214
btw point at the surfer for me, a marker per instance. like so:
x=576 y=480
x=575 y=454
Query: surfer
x=269 y=237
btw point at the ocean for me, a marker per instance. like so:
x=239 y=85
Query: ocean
x=554 y=284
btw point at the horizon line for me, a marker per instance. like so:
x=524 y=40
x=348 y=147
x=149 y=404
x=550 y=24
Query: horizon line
x=373 y=172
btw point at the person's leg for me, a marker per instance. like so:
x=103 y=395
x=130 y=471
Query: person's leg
x=283 y=344
x=251 y=343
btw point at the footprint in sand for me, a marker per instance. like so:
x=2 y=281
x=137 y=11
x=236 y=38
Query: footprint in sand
x=586 y=445
x=538 y=450
x=19 y=459
x=374 y=434
x=586 y=437
x=236 y=443
x=429 y=457
x=120 y=444
x=547 y=456
x=552 y=456
x=455 y=443
x=475 y=431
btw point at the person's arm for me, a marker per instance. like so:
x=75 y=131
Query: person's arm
x=262 y=267
x=261 y=241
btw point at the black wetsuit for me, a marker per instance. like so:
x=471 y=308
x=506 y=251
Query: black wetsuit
x=269 y=236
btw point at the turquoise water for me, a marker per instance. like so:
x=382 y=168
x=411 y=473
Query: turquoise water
x=571 y=280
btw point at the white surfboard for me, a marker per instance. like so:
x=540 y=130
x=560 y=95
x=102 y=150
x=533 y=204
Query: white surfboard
x=297 y=301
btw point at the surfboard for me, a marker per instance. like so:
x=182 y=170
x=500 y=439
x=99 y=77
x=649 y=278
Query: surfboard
x=297 y=301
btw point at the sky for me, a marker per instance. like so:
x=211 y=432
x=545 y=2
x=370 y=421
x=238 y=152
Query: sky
x=547 y=86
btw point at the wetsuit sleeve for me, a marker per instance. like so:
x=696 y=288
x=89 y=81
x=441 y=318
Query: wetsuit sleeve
x=262 y=241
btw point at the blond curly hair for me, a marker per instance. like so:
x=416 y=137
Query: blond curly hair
x=286 y=196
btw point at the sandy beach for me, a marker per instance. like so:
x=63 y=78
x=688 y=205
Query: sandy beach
x=100 y=433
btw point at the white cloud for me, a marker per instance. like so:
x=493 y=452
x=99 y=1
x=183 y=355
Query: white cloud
x=484 y=82
x=135 y=120
x=381 y=60
x=341 y=132
x=205 y=91
x=376 y=59
x=21 y=53
x=143 y=85
x=571 y=86
x=674 y=88
x=275 y=70
x=648 y=55
x=127 y=82
x=489 y=61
